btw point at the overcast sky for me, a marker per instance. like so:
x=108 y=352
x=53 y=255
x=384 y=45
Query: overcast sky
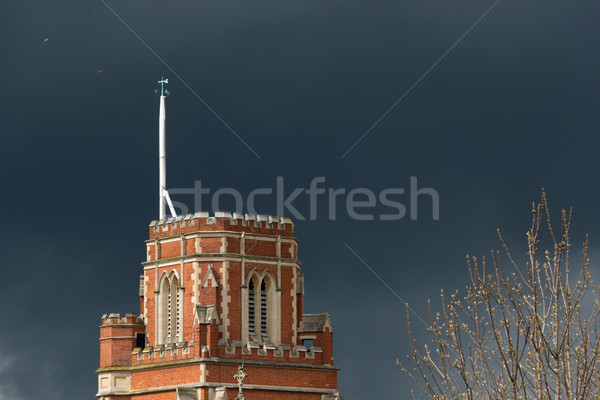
x=511 y=108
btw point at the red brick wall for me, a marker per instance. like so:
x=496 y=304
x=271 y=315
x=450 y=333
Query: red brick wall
x=168 y=395
x=117 y=340
x=285 y=250
x=273 y=376
x=171 y=249
x=190 y=245
x=235 y=310
x=211 y=245
x=174 y=375
x=287 y=309
x=259 y=247
x=233 y=245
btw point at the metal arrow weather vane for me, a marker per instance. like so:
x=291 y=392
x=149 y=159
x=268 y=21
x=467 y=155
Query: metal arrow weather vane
x=163 y=91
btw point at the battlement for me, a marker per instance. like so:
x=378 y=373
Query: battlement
x=224 y=221
x=235 y=349
x=116 y=319
x=298 y=353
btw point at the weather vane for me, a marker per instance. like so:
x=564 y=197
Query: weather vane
x=163 y=91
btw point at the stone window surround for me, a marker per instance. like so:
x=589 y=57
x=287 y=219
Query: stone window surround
x=273 y=306
x=173 y=282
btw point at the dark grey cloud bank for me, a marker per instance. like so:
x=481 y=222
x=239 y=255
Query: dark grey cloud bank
x=511 y=109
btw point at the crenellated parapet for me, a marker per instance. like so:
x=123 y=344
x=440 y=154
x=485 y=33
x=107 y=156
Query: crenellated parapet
x=203 y=221
x=271 y=352
x=235 y=350
x=118 y=336
x=232 y=234
x=162 y=352
x=117 y=319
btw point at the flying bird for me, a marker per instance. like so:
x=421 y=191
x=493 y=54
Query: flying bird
x=100 y=70
x=45 y=40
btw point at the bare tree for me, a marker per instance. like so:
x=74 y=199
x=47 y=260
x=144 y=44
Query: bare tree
x=522 y=332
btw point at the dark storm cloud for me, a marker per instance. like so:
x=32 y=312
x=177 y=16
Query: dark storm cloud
x=511 y=109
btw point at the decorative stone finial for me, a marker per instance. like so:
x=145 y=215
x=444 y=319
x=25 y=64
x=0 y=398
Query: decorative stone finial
x=239 y=376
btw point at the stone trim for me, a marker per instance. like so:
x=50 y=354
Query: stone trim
x=220 y=360
x=120 y=325
x=195 y=277
x=118 y=337
x=167 y=262
x=292 y=389
x=114 y=383
x=294 y=306
x=226 y=299
x=146 y=280
x=231 y=234
x=166 y=240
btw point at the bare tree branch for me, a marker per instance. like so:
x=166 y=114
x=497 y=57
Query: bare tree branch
x=527 y=333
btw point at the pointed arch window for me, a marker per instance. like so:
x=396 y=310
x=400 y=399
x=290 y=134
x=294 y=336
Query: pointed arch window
x=169 y=310
x=263 y=309
x=251 y=309
x=261 y=320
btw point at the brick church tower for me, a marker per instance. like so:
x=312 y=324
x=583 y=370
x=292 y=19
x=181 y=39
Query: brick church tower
x=218 y=292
